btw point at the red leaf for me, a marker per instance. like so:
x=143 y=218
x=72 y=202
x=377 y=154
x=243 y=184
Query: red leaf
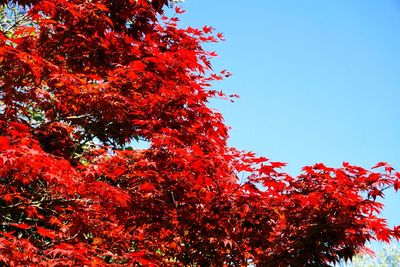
x=23 y=226
x=45 y=233
x=396 y=184
x=179 y=10
x=380 y=164
x=207 y=29
x=147 y=187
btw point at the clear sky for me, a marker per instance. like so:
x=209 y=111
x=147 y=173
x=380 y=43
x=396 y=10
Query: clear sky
x=319 y=80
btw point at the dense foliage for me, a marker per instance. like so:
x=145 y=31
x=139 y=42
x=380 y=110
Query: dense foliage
x=79 y=82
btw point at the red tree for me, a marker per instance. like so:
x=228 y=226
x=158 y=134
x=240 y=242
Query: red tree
x=79 y=82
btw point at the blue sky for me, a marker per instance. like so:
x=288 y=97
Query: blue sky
x=319 y=80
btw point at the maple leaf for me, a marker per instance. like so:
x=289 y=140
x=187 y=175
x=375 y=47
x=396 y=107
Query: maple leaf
x=60 y=251
x=380 y=164
x=147 y=187
x=23 y=226
x=207 y=29
x=179 y=10
x=396 y=184
x=45 y=233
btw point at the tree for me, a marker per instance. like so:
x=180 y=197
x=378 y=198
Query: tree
x=80 y=81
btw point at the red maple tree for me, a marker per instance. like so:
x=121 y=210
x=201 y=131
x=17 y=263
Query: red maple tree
x=82 y=79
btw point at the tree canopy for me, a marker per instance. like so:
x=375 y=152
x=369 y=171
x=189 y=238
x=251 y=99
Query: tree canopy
x=79 y=82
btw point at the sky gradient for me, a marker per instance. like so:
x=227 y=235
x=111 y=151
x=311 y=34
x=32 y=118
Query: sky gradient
x=319 y=81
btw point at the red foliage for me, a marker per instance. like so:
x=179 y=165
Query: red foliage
x=90 y=77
